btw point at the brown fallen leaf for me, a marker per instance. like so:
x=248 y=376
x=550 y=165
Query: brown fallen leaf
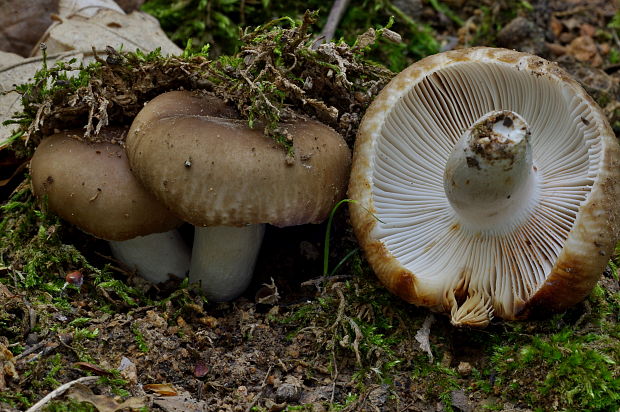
x=583 y=48
x=556 y=26
x=103 y=403
x=107 y=28
x=162 y=389
x=97 y=370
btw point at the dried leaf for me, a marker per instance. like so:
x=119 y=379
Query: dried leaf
x=108 y=28
x=85 y=8
x=23 y=22
x=17 y=70
x=162 y=389
x=423 y=336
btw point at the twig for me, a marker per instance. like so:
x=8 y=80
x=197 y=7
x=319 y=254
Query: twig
x=30 y=350
x=615 y=36
x=317 y=281
x=262 y=388
x=60 y=390
x=587 y=312
x=334 y=377
x=335 y=14
x=339 y=316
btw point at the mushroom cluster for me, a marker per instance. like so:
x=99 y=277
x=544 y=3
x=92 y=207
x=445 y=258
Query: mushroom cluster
x=228 y=180
x=487 y=183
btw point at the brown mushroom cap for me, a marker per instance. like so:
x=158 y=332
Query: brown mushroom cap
x=182 y=103
x=216 y=171
x=91 y=186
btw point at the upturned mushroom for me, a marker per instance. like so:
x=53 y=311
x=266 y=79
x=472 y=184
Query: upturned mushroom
x=90 y=186
x=228 y=180
x=487 y=183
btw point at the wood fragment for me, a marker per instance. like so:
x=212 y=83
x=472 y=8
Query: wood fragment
x=335 y=15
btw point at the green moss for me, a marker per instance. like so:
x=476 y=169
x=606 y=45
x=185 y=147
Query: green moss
x=492 y=19
x=420 y=38
x=116 y=384
x=33 y=246
x=139 y=339
x=444 y=379
x=55 y=364
x=570 y=363
x=575 y=372
x=219 y=23
x=215 y=22
x=15 y=399
x=275 y=75
x=69 y=406
x=64 y=77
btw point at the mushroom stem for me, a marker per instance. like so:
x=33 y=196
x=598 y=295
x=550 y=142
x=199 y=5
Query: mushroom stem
x=489 y=174
x=223 y=259
x=154 y=256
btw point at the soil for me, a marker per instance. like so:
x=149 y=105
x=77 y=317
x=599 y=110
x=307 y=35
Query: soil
x=295 y=340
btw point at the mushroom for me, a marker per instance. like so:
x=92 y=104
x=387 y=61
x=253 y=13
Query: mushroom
x=229 y=180
x=487 y=183
x=90 y=185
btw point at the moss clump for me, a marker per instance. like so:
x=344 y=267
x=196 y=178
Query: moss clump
x=566 y=369
x=69 y=406
x=277 y=75
x=569 y=362
x=220 y=22
x=31 y=244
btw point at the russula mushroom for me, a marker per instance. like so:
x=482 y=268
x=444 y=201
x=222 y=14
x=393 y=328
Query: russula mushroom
x=487 y=184
x=228 y=180
x=90 y=186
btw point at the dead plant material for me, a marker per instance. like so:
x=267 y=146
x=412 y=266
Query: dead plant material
x=276 y=76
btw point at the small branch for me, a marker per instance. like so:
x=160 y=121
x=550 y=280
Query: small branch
x=262 y=388
x=60 y=390
x=334 y=377
x=318 y=281
x=614 y=34
x=30 y=350
x=335 y=14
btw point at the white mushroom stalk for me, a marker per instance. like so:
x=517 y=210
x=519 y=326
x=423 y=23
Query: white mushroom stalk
x=489 y=175
x=223 y=259
x=154 y=257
